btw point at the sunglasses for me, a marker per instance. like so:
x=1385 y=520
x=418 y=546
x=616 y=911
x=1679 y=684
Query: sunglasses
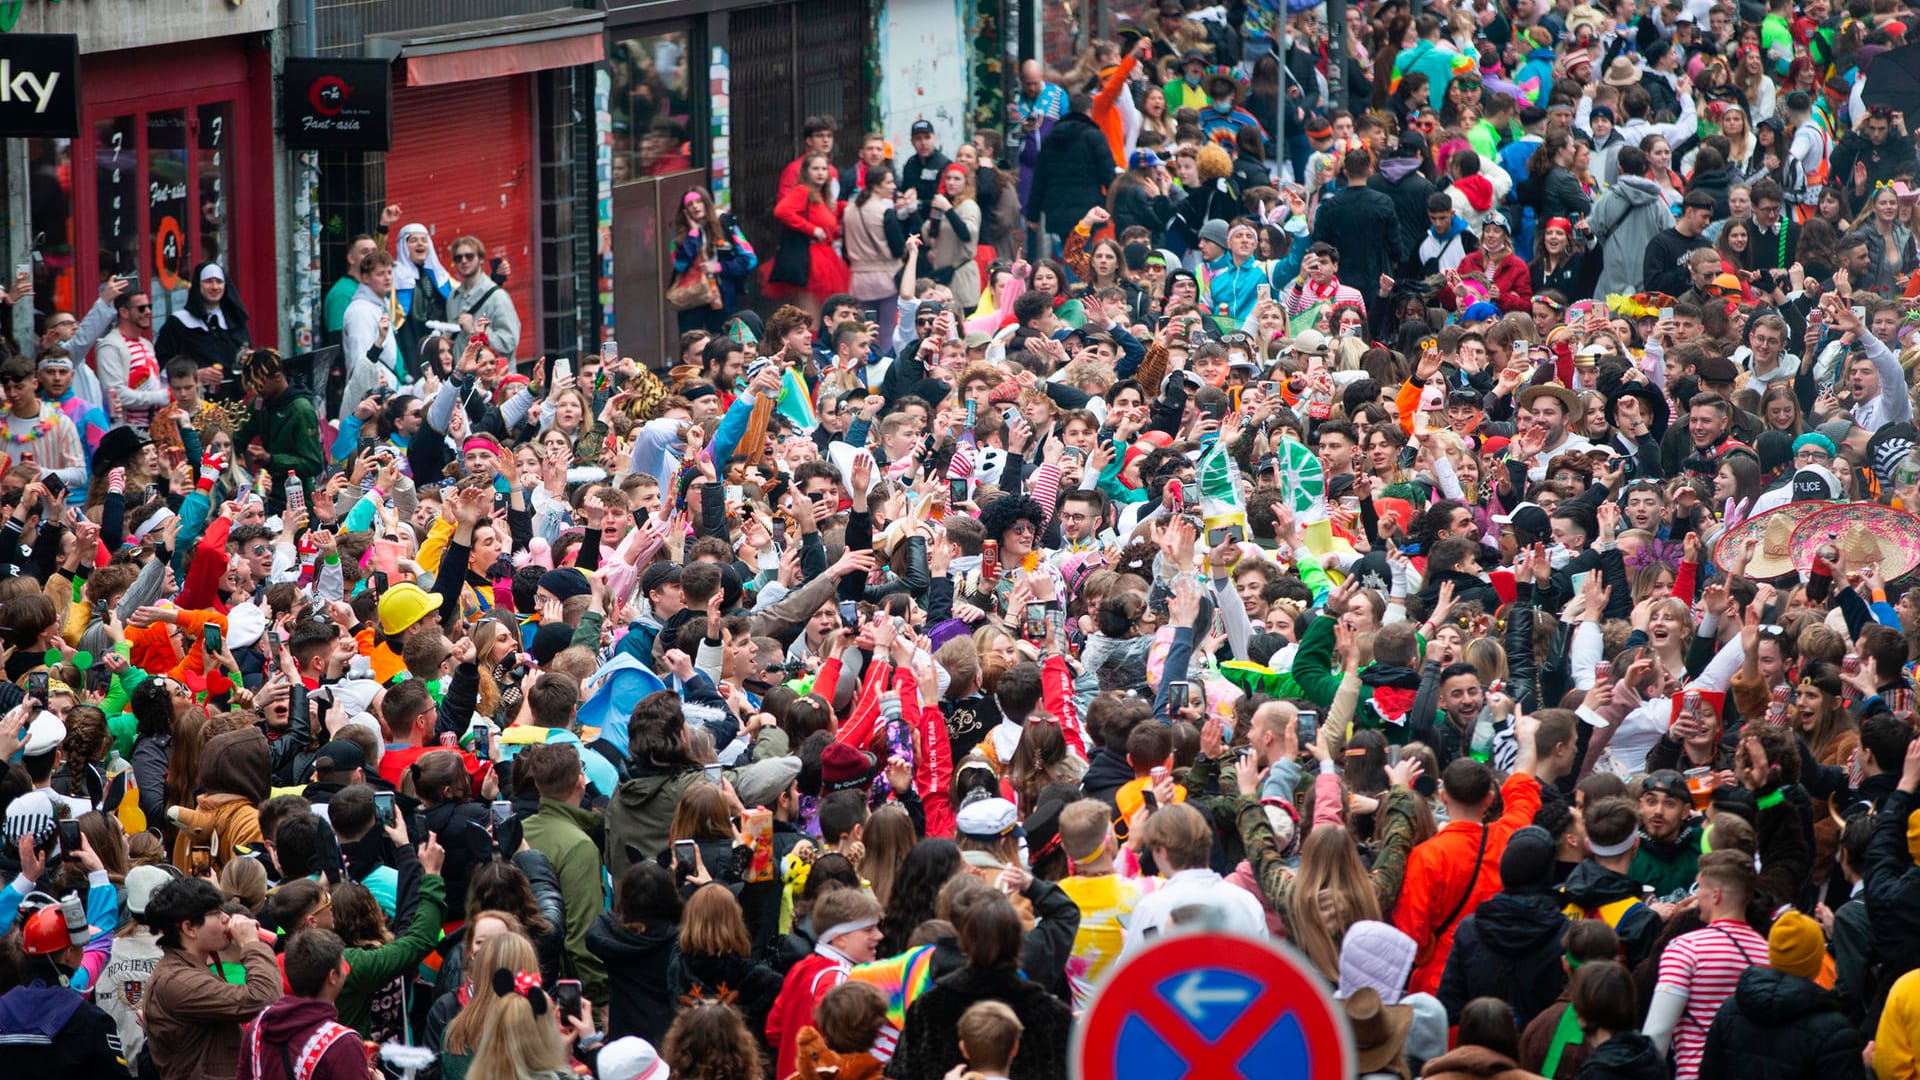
x=143 y=307
x=466 y=256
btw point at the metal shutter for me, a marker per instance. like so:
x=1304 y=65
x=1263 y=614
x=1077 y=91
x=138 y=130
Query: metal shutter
x=463 y=163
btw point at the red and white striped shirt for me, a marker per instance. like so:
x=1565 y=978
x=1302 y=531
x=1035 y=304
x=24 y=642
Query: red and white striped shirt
x=1707 y=964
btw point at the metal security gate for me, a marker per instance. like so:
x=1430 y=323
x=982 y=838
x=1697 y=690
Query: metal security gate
x=791 y=61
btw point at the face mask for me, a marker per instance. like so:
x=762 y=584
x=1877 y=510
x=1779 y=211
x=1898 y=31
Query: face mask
x=1193 y=80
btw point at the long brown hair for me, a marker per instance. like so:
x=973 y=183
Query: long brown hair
x=183 y=759
x=711 y=924
x=1331 y=892
x=701 y=815
x=711 y=228
x=822 y=194
x=888 y=837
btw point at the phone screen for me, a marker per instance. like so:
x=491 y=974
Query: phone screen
x=1309 y=727
x=686 y=853
x=37 y=687
x=712 y=773
x=502 y=811
x=383 y=806
x=566 y=995
x=70 y=836
x=1036 y=623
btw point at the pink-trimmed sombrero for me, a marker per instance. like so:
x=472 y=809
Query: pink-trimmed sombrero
x=1726 y=550
x=1866 y=532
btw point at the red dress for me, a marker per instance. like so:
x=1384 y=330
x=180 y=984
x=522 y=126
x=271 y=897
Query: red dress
x=827 y=272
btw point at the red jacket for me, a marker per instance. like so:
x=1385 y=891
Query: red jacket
x=797 y=211
x=1439 y=872
x=1512 y=279
x=807 y=982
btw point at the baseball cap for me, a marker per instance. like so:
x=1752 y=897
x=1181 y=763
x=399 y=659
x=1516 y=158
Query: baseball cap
x=1667 y=782
x=660 y=573
x=341 y=755
x=921 y=127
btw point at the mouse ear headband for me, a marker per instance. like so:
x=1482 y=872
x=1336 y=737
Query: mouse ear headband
x=526 y=985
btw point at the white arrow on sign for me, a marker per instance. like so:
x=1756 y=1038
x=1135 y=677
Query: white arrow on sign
x=1193 y=998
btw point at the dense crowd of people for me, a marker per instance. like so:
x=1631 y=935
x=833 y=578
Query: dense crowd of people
x=1464 y=537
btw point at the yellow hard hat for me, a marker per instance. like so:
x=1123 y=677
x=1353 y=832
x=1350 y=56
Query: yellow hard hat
x=405 y=604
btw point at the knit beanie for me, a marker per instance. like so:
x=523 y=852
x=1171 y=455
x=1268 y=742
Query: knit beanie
x=1796 y=945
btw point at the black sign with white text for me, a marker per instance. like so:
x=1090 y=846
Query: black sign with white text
x=39 y=85
x=330 y=104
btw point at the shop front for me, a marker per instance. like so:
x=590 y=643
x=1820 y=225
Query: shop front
x=171 y=163
x=492 y=137
x=713 y=93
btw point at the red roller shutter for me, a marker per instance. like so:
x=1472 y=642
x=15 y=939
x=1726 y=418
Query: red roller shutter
x=463 y=163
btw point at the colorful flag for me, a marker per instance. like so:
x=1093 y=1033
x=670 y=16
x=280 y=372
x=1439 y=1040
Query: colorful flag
x=1303 y=480
x=1218 y=480
x=796 y=404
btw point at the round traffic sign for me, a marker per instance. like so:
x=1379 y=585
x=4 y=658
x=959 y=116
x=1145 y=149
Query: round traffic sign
x=1213 y=1006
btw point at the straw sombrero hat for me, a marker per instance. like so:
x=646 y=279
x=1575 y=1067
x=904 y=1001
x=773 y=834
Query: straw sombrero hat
x=1868 y=534
x=1727 y=548
x=1569 y=402
x=1775 y=556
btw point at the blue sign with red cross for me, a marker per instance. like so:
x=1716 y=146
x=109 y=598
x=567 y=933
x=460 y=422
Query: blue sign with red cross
x=1213 y=1007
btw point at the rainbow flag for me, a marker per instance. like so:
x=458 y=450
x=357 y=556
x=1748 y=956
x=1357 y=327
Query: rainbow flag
x=902 y=978
x=796 y=402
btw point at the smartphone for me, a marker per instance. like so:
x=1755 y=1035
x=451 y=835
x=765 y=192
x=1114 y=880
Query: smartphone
x=566 y=995
x=56 y=487
x=873 y=316
x=1270 y=389
x=609 y=352
x=1213 y=410
x=1177 y=696
x=712 y=773
x=1035 y=628
x=502 y=811
x=1308 y=727
x=98 y=679
x=686 y=852
x=956 y=490
x=37 y=687
x=383 y=806
x=1148 y=798
x=499 y=501
x=1226 y=534
x=780 y=532
x=212 y=636
x=199 y=860
x=70 y=836
x=1666 y=313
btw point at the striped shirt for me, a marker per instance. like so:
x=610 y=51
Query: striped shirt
x=1707 y=964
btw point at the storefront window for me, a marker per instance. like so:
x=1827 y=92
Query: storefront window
x=116 y=154
x=167 y=209
x=50 y=201
x=215 y=135
x=654 y=126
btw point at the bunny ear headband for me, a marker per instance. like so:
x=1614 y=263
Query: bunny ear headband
x=526 y=985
